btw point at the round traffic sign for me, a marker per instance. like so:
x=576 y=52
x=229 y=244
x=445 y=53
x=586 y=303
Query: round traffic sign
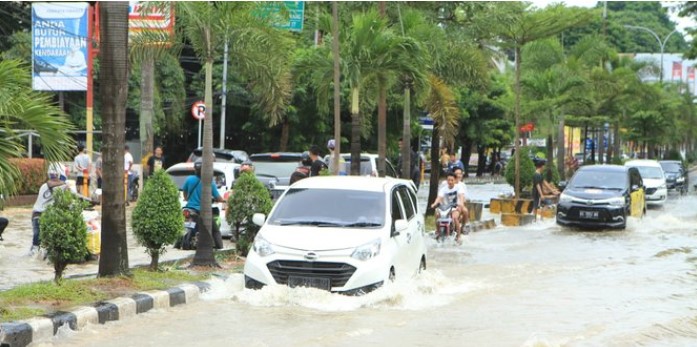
x=198 y=110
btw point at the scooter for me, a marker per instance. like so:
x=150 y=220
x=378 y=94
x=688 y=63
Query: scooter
x=190 y=238
x=444 y=223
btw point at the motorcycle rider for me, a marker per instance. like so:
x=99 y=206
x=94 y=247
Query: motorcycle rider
x=192 y=195
x=451 y=195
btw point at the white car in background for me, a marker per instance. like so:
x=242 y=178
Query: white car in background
x=654 y=179
x=224 y=175
x=369 y=165
x=346 y=234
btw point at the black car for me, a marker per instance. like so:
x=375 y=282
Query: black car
x=676 y=175
x=274 y=169
x=600 y=196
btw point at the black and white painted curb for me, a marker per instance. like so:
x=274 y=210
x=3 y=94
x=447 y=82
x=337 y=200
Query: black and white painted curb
x=22 y=333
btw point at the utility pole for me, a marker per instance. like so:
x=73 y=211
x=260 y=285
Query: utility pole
x=224 y=98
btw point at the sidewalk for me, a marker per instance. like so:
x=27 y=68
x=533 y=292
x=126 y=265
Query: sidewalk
x=16 y=267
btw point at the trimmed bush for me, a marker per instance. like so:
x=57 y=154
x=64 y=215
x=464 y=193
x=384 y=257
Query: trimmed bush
x=157 y=220
x=527 y=169
x=249 y=196
x=33 y=174
x=63 y=231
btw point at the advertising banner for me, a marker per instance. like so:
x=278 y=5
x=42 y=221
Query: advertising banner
x=151 y=18
x=677 y=70
x=59 y=46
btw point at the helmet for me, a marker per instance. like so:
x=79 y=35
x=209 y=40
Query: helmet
x=306 y=160
x=53 y=172
x=197 y=166
x=331 y=144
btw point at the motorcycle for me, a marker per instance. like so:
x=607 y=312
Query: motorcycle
x=189 y=240
x=444 y=223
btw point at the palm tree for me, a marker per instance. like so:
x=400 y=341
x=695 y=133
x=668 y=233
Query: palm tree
x=259 y=53
x=22 y=108
x=520 y=26
x=113 y=260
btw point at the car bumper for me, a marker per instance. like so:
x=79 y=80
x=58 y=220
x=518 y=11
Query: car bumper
x=347 y=275
x=657 y=197
x=569 y=214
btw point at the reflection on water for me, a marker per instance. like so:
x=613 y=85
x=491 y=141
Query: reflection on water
x=537 y=285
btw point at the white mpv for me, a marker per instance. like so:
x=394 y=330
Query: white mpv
x=344 y=234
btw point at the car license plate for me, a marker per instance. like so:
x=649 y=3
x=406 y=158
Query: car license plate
x=589 y=214
x=311 y=282
x=190 y=225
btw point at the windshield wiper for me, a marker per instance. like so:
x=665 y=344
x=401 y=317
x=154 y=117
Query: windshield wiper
x=314 y=223
x=362 y=225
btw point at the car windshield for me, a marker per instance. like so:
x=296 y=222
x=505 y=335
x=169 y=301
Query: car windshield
x=650 y=172
x=275 y=169
x=330 y=207
x=599 y=179
x=671 y=167
x=179 y=177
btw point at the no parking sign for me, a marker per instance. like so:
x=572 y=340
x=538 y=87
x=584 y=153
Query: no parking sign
x=198 y=110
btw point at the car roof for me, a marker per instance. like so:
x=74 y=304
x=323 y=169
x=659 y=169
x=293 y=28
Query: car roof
x=604 y=168
x=642 y=162
x=217 y=165
x=374 y=184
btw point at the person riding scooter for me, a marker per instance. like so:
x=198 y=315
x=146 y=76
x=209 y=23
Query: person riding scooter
x=192 y=195
x=452 y=195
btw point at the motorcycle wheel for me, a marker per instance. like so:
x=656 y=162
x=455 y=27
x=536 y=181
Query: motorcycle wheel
x=440 y=236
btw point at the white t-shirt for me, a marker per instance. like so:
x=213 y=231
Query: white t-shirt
x=127 y=161
x=82 y=162
x=449 y=195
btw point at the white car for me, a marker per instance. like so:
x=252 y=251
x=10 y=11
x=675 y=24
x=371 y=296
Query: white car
x=224 y=177
x=369 y=165
x=346 y=234
x=654 y=179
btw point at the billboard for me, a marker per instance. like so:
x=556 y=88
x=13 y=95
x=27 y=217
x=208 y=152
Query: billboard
x=59 y=46
x=150 y=17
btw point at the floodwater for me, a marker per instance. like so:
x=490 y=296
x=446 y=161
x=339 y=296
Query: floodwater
x=537 y=285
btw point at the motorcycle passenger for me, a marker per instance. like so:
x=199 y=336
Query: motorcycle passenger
x=459 y=173
x=452 y=195
x=192 y=195
x=303 y=170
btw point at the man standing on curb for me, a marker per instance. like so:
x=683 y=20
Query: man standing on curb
x=82 y=167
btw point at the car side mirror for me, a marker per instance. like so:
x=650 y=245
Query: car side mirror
x=259 y=219
x=399 y=226
x=236 y=172
x=562 y=185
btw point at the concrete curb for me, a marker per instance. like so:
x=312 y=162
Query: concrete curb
x=23 y=333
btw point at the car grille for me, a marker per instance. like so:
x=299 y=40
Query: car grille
x=650 y=191
x=338 y=273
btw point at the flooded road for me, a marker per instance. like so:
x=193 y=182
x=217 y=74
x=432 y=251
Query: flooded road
x=537 y=285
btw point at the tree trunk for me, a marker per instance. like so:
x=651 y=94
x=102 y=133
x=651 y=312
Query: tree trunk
x=58 y=268
x=204 y=249
x=113 y=260
x=382 y=128
x=481 y=160
x=616 y=139
x=435 y=171
x=517 y=122
x=466 y=155
x=601 y=144
x=285 y=129
x=337 y=87
x=355 y=133
x=550 y=149
x=406 y=133
x=154 y=260
x=561 y=140
x=147 y=111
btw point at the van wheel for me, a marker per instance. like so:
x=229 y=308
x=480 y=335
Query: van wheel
x=392 y=276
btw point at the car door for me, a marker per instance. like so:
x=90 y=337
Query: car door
x=637 y=195
x=399 y=240
x=417 y=226
x=410 y=214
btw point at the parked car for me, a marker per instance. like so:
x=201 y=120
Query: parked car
x=346 y=234
x=274 y=169
x=224 y=175
x=602 y=196
x=369 y=165
x=676 y=175
x=221 y=155
x=654 y=180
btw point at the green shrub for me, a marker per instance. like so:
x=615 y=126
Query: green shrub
x=63 y=231
x=527 y=169
x=157 y=220
x=33 y=174
x=249 y=196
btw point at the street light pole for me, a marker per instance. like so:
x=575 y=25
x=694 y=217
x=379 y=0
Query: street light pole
x=662 y=44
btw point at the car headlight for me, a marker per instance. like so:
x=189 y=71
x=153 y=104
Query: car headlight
x=262 y=247
x=662 y=186
x=618 y=201
x=565 y=198
x=367 y=251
